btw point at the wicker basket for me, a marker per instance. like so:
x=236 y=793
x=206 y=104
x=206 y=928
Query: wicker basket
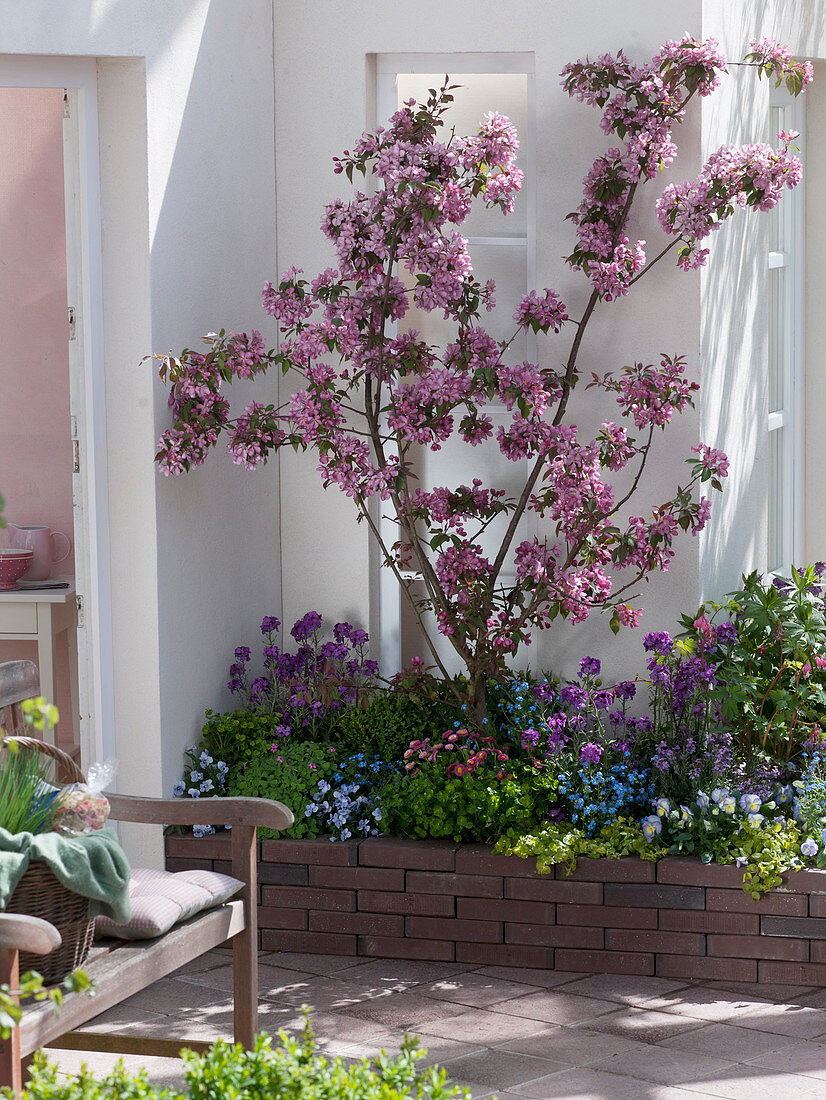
x=40 y=894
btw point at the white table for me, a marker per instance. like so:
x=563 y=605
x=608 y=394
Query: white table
x=39 y=616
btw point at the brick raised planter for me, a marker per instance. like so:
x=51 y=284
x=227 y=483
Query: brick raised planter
x=404 y=899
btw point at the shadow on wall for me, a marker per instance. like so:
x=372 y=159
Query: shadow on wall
x=213 y=247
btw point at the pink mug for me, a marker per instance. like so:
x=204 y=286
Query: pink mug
x=40 y=540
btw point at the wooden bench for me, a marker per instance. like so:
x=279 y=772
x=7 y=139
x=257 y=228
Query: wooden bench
x=122 y=968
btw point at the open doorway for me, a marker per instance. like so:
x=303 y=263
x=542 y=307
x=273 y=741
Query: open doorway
x=44 y=474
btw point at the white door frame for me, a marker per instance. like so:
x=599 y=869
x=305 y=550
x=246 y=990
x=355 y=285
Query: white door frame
x=78 y=76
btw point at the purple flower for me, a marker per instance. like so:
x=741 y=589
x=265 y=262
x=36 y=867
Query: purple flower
x=307 y=626
x=334 y=651
x=574 y=695
x=589 y=666
x=270 y=625
x=243 y=653
x=342 y=632
x=726 y=634
x=260 y=687
x=590 y=752
x=603 y=699
x=658 y=640
x=616 y=718
x=529 y=738
x=544 y=693
x=625 y=689
x=360 y=637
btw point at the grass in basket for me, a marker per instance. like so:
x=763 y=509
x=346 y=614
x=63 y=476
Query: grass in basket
x=26 y=797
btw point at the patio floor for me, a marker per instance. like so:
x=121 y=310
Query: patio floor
x=510 y=1032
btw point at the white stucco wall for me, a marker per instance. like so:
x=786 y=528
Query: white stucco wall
x=188 y=204
x=734 y=300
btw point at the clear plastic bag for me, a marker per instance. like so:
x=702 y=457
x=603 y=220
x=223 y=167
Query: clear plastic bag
x=83 y=807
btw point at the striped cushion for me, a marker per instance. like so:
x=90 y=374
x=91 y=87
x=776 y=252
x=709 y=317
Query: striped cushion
x=160 y=899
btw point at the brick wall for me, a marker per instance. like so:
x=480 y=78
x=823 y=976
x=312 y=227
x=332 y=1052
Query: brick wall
x=408 y=899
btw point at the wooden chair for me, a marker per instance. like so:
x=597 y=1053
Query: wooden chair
x=127 y=967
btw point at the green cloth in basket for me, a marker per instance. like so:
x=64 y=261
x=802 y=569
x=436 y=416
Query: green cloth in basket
x=93 y=865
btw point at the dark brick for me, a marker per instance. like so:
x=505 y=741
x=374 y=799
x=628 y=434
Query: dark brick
x=790 y=973
x=811 y=927
x=480 y=859
x=758 y=947
x=358 y=878
x=362 y=924
x=771 y=904
x=311 y=852
x=436 y=928
x=698 y=920
x=271 y=916
x=817 y=951
x=388 y=947
x=418 y=855
x=283 y=874
x=690 y=872
x=667 y=943
x=812 y=880
x=511 y=909
x=306 y=897
x=647 y=896
x=427 y=905
x=604 y=962
x=555 y=935
x=604 y=917
x=468 y=886
x=487 y=954
x=706 y=969
x=817 y=905
x=181 y=863
x=544 y=889
x=630 y=869
x=317 y=943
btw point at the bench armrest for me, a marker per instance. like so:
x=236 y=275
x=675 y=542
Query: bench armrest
x=200 y=811
x=24 y=933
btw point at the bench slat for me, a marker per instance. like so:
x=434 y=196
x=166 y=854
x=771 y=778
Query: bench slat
x=129 y=968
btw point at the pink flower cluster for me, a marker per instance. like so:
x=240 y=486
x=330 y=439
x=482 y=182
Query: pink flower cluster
x=752 y=175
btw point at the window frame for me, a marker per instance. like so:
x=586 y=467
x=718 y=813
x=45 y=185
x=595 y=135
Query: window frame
x=786 y=329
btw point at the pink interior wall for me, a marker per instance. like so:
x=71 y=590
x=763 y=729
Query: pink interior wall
x=35 y=430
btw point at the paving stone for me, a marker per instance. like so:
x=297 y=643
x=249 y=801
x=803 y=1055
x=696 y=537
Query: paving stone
x=576 y=1046
x=548 y=979
x=479 y=1026
x=703 y=1003
x=626 y=989
x=727 y=1041
x=644 y=1025
x=475 y=990
x=664 y=1065
x=404 y=973
x=404 y=1010
x=555 y=1007
x=310 y=962
x=590 y=1084
x=500 y=1069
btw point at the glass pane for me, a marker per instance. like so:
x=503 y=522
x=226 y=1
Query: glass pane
x=778 y=339
x=479 y=93
x=777 y=494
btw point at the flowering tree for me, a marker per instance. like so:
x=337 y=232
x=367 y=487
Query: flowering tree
x=373 y=393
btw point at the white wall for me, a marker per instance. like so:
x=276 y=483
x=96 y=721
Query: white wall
x=188 y=203
x=734 y=299
x=325 y=554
